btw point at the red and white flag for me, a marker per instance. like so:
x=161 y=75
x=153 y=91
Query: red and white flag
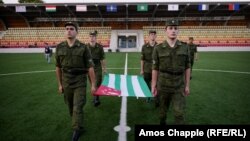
x=50 y=8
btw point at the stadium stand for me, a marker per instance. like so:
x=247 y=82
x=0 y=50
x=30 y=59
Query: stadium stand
x=208 y=35
x=36 y=36
x=216 y=27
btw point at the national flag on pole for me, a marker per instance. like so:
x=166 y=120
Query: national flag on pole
x=111 y=8
x=50 y=8
x=203 y=7
x=81 y=8
x=173 y=7
x=142 y=7
x=20 y=8
x=123 y=85
x=233 y=7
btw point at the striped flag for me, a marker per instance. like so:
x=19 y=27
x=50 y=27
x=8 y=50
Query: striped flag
x=123 y=85
x=20 y=9
x=142 y=7
x=81 y=8
x=203 y=7
x=111 y=8
x=233 y=7
x=50 y=8
x=173 y=7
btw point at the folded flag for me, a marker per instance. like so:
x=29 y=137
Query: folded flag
x=123 y=85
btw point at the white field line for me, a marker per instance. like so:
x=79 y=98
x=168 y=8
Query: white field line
x=205 y=70
x=123 y=115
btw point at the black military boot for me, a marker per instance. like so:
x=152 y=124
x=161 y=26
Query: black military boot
x=163 y=122
x=76 y=135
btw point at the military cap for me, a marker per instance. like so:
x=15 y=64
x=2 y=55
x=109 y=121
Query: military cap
x=152 y=31
x=172 y=22
x=94 y=33
x=72 y=24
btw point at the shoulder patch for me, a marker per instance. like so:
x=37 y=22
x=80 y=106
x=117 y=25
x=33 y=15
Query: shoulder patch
x=153 y=61
x=90 y=61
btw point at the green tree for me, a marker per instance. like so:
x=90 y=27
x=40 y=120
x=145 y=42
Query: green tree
x=30 y=1
x=1 y=1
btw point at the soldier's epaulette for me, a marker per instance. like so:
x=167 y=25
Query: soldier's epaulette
x=183 y=42
x=161 y=44
x=146 y=44
x=62 y=44
x=99 y=45
x=82 y=45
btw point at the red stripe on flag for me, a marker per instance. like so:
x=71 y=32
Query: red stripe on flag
x=231 y=7
x=50 y=6
x=107 y=91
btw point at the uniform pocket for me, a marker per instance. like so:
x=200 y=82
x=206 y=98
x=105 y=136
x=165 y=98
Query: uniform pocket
x=181 y=56
x=164 y=60
x=61 y=56
x=78 y=57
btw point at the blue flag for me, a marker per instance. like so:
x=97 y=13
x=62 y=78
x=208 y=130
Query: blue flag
x=112 y=8
x=203 y=7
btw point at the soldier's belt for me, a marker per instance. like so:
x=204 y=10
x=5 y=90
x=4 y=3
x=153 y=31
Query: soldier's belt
x=75 y=71
x=172 y=73
x=148 y=62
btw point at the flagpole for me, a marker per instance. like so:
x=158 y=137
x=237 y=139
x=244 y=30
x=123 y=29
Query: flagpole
x=122 y=129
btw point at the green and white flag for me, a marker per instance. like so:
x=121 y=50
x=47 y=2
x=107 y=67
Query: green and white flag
x=123 y=85
x=142 y=7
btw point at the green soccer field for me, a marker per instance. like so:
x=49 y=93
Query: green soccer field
x=32 y=110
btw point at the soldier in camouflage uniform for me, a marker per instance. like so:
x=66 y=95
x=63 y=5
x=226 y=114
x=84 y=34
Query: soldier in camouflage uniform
x=146 y=61
x=98 y=56
x=193 y=53
x=73 y=64
x=171 y=74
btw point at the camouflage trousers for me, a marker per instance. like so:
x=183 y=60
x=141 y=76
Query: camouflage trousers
x=192 y=63
x=98 y=77
x=178 y=102
x=75 y=98
x=148 y=79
